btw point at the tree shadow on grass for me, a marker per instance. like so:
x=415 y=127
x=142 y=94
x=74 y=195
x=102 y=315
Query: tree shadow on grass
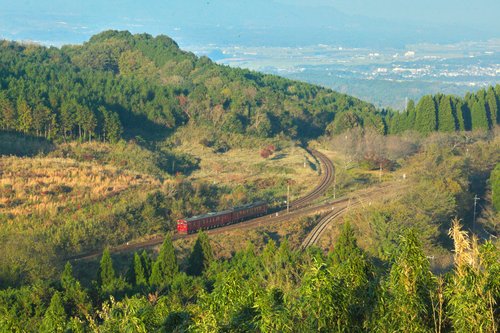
x=272 y=235
x=278 y=157
x=21 y=145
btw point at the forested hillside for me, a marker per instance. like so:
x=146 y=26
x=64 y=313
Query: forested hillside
x=122 y=85
x=118 y=84
x=445 y=113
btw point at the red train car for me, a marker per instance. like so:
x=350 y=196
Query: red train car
x=250 y=210
x=218 y=219
x=205 y=221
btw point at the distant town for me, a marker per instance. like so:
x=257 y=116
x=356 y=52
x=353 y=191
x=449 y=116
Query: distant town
x=385 y=77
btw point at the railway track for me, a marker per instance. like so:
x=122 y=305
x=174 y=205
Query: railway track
x=298 y=208
x=313 y=237
x=341 y=206
x=327 y=178
x=302 y=207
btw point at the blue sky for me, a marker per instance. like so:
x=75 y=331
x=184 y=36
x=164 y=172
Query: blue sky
x=269 y=22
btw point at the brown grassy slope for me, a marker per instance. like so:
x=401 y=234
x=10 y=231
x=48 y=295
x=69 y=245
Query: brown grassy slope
x=45 y=185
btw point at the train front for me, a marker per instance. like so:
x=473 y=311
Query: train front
x=182 y=226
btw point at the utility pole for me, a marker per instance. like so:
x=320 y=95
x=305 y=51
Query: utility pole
x=476 y=199
x=288 y=197
x=334 y=183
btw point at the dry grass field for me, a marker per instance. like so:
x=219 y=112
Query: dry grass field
x=45 y=185
x=245 y=166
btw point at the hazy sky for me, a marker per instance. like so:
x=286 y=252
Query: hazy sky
x=480 y=13
x=254 y=21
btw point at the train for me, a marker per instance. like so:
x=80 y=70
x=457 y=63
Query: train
x=219 y=219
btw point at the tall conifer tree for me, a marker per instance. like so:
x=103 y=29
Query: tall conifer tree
x=25 y=116
x=107 y=275
x=457 y=105
x=67 y=280
x=446 y=116
x=492 y=104
x=8 y=114
x=146 y=263
x=55 y=317
x=479 y=116
x=425 y=120
x=346 y=244
x=165 y=266
x=495 y=187
x=410 y=116
x=140 y=278
x=201 y=256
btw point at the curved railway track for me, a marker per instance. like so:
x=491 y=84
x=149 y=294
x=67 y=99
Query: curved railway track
x=298 y=208
x=313 y=237
x=326 y=180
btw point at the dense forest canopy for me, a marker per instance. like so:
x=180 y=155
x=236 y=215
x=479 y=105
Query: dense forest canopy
x=445 y=113
x=122 y=84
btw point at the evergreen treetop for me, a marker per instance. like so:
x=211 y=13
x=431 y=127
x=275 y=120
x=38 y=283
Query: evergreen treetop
x=165 y=267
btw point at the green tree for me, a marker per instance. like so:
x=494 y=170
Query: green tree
x=351 y=267
x=343 y=122
x=426 y=120
x=492 y=105
x=68 y=282
x=345 y=246
x=229 y=307
x=165 y=266
x=201 y=256
x=323 y=299
x=405 y=302
x=67 y=118
x=41 y=120
x=140 y=277
x=479 y=116
x=75 y=297
x=233 y=123
x=495 y=187
x=87 y=121
x=25 y=116
x=396 y=123
x=146 y=263
x=463 y=115
x=262 y=125
x=112 y=129
x=447 y=121
x=411 y=114
x=55 y=318
x=107 y=276
x=8 y=114
x=273 y=313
